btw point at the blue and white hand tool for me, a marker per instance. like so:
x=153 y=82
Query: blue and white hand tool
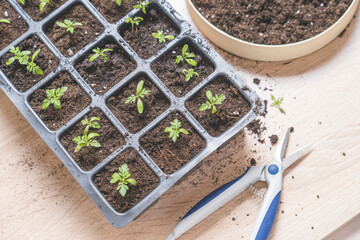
x=271 y=173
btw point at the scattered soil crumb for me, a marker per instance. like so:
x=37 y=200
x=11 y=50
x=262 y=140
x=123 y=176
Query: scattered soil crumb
x=291 y=129
x=273 y=139
x=318 y=196
x=252 y=162
x=234 y=219
x=256 y=81
x=344 y=154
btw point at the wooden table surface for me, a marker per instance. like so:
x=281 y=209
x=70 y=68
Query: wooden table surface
x=41 y=200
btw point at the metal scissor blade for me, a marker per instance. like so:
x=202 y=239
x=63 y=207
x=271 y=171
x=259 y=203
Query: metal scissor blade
x=279 y=154
x=288 y=161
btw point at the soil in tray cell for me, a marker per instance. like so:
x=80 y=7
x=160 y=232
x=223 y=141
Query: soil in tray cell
x=154 y=104
x=67 y=43
x=18 y=73
x=169 y=155
x=17 y=26
x=231 y=110
x=172 y=74
x=32 y=8
x=88 y=157
x=141 y=38
x=146 y=181
x=112 y=11
x=73 y=101
x=103 y=75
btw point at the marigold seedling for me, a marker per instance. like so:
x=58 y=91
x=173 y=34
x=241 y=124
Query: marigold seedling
x=100 y=53
x=213 y=101
x=162 y=38
x=185 y=55
x=118 y=2
x=86 y=140
x=175 y=129
x=142 y=5
x=22 y=2
x=134 y=21
x=69 y=25
x=277 y=102
x=43 y=4
x=123 y=179
x=53 y=97
x=23 y=58
x=93 y=123
x=189 y=73
x=140 y=93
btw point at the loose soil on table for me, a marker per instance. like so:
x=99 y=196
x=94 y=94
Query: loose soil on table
x=155 y=103
x=10 y=32
x=170 y=156
x=146 y=181
x=141 y=40
x=104 y=75
x=272 y=22
x=67 y=43
x=113 y=12
x=32 y=8
x=232 y=109
x=88 y=157
x=72 y=102
x=19 y=75
x=171 y=73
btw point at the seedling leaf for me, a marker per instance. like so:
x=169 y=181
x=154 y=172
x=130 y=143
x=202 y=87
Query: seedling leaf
x=123 y=179
x=140 y=93
x=213 y=101
x=175 y=129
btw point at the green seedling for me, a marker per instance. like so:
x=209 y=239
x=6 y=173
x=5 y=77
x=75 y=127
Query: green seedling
x=140 y=93
x=118 y=2
x=53 y=97
x=136 y=21
x=162 y=38
x=43 y=4
x=142 y=5
x=185 y=55
x=213 y=101
x=277 y=102
x=86 y=140
x=22 y=2
x=69 y=25
x=23 y=59
x=189 y=74
x=123 y=179
x=3 y=20
x=175 y=129
x=100 y=53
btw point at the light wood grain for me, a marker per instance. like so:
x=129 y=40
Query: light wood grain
x=40 y=199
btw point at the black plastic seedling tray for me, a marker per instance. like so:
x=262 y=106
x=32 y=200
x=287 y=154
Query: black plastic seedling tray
x=52 y=138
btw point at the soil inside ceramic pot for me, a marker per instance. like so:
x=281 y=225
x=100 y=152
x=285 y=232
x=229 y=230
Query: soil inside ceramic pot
x=272 y=22
x=103 y=75
x=113 y=12
x=88 y=157
x=154 y=103
x=232 y=109
x=169 y=155
x=171 y=73
x=146 y=181
x=18 y=74
x=32 y=8
x=17 y=26
x=72 y=102
x=141 y=39
x=67 y=43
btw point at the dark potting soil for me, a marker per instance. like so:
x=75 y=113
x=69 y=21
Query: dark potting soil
x=88 y=157
x=19 y=75
x=104 y=75
x=272 y=22
x=232 y=109
x=72 y=102
x=67 y=43
x=17 y=26
x=141 y=39
x=146 y=181
x=155 y=103
x=170 y=156
x=113 y=12
x=171 y=73
x=274 y=139
x=32 y=8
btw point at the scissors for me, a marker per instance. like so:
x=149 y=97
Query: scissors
x=271 y=173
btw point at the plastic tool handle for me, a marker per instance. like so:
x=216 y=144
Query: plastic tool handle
x=215 y=200
x=269 y=207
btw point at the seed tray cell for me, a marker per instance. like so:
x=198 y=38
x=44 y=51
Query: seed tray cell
x=86 y=178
